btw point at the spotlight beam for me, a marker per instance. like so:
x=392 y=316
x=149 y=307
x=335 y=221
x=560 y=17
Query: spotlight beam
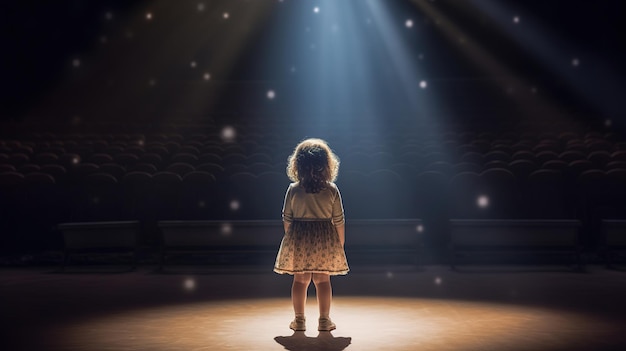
x=153 y=55
x=532 y=106
x=555 y=52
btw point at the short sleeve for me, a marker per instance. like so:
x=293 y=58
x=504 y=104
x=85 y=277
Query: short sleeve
x=287 y=209
x=338 y=215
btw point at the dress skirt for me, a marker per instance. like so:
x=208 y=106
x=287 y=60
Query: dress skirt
x=311 y=246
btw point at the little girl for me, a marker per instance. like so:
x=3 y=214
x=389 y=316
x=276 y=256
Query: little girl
x=312 y=248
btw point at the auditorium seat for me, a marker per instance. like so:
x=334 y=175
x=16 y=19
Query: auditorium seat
x=113 y=150
x=24 y=149
x=234 y=158
x=599 y=145
x=555 y=165
x=522 y=168
x=482 y=145
x=69 y=159
x=405 y=170
x=410 y=158
x=57 y=150
x=571 y=156
x=45 y=158
x=260 y=167
x=18 y=159
x=615 y=165
x=188 y=158
x=619 y=155
x=70 y=146
x=99 y=145
x=599 y=159
x=579 y=148
x=545 y=156
x=6 y=168
x=190 y=150
x=135 y=150
x=200 y=197
x=440 y=166
x=180 y=168
x=567 y=136
x=165 y=195
x=523 y=155
x=552 y=147
x=472 y=157
x=100 y=158
x=96 y=198
x=151 y=158
x=211 y=149
x=126 y=159
x=433 y=157
x=213 y=168
x=259 y=158
x=144 y=167
x=381 y=158
x=577 y=167
x=495 y=164
x=497 y=156
x=233 y=149
x=157 y=149
x=113 y=169
x=78 y=172
x=27 y=168
x=357 y=161
x=57 y=171
x=465 y=167
x=209 y=158
x=522 y=146
x=504 y=148
x=235 y=168
x=172 y=147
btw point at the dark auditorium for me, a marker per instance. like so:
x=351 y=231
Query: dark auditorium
x=312 y=175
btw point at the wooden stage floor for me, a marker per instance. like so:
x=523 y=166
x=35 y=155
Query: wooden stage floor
x=383 y=308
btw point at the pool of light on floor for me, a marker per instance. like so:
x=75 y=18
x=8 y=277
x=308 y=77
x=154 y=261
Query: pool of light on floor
x=363 y=323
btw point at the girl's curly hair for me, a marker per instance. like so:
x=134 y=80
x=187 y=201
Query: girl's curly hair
x=313 y=164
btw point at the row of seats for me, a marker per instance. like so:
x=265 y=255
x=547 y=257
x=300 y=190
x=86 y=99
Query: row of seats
x=36 y=206
x=396 y=145
x=521 y=169
x=272 y=156
x=46 y=178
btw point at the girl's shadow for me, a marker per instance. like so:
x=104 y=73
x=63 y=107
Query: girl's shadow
x=324 y=341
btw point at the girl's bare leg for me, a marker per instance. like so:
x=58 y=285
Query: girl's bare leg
x=299 y=288
x=324 y=293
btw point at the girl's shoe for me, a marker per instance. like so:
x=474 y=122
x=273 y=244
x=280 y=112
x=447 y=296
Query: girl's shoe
x=325 y=324
x=298 y=324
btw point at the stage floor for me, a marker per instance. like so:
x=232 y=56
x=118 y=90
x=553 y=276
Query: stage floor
x=375 y=308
